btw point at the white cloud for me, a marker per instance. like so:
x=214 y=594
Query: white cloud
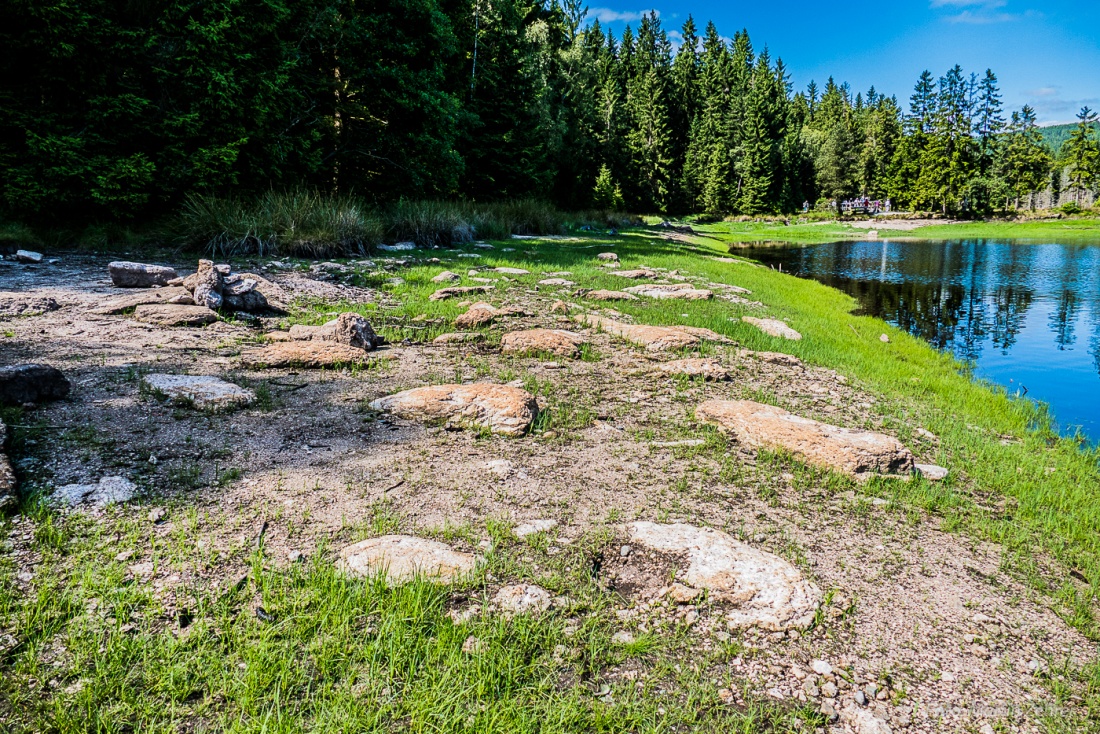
x=985 y=4
x=982 y=17
x=978 y=12
x=1043 y=92
x=607 y=15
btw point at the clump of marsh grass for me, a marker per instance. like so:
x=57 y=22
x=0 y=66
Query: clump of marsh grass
x=315 y=224
x=306 y=223
x=429 y=223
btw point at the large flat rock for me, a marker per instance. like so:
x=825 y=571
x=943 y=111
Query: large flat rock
x=170 y=314
x=202 y=391
x=122 y=304
x=602 y=295
x=708 y=369
x=773 y=327
x=31 y=383
x=310 y=354
x=682 y=291
x=445 y=293
x=653 y=338
x=107 y=491
x=764 y=590
x=542 y=341
x=447 y=277
x=455 y=337
x=139 y=275
x=498 y=408
x=859 y=454
x=402 y=558
x=522 y=599
x=481 y=314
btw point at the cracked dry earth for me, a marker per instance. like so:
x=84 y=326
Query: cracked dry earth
x=931 y=633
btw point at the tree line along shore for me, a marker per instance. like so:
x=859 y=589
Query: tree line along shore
x=119 y=116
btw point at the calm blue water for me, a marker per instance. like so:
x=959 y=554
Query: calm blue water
x=1026 y=315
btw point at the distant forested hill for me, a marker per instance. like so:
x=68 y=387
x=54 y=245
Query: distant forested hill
x=1055 y=136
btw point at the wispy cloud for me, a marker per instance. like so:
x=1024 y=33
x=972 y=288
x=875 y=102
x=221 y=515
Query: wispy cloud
x=1052 y=107
x=983 y=4
x=971 y=17
x=978 y=12
x=607 y=15
x=1043 y=92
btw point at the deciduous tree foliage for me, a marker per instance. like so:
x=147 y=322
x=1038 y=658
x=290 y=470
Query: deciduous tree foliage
x=120 y=110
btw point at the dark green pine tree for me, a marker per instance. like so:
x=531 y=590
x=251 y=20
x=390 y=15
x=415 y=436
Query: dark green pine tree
x=649 y=138
x=835 y=146
x=988 y=121
x=684 y=109
x=949 y=160
x=1082 y=153
x=906 y=166
x=612 y=122
x=505 y=145
x=708 y=165
x=393 y=131
x=1024 y=163
x=880 y=131
x=578 y=90
x=760 y=169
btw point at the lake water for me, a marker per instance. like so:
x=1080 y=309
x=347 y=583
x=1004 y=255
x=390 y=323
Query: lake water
x=1026 y=315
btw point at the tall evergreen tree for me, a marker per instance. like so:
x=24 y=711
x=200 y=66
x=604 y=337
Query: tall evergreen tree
x=649 y=137
x=1082 y=154
x=1025 y=162
x=708 y=165
x=684 y=108
x=949 y=157
x=989 y=121
x=765 y=118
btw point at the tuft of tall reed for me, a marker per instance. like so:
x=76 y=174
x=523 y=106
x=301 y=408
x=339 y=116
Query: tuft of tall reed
x=313 y=224
x=307 y=223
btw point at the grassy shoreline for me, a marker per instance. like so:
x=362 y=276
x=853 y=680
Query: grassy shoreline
x=1073 y=230
x=330 y=654
x=1017 y=482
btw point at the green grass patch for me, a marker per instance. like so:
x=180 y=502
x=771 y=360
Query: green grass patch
x=308 y=649
x=799 y=231
x=1037 y=495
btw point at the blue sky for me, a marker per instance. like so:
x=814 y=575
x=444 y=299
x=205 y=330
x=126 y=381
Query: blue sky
x=1046 y=54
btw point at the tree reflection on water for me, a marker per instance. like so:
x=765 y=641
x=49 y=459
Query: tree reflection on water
x=976 y=298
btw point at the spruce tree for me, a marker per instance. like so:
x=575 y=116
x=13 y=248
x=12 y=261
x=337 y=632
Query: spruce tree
x=949 y=158
x=649 y=138
x=1025 y=162
x=1082 y=153
x=989 y=122
x=708 y=168
x=760 y=166
x=684 y=109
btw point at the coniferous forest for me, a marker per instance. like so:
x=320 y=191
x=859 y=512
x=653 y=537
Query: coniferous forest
x=123 y=110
